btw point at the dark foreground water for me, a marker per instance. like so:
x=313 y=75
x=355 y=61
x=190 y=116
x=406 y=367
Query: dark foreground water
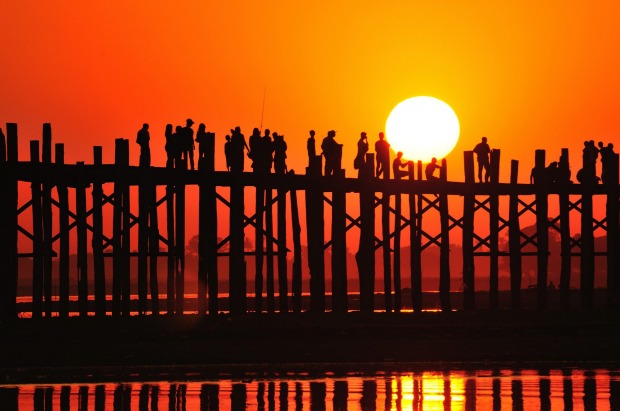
x=505 y=389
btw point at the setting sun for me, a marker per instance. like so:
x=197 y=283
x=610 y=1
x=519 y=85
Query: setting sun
x=422 y=128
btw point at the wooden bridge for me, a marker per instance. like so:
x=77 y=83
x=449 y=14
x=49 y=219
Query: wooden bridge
x=52 y=219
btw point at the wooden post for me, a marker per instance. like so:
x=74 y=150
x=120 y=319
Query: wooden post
x=282 y=269
x=565 y=239
x=236 y=260
x=542 y=231
x=126 y=234
x=494 y=233
x=514 y=239
x=339 y=245
x=259 y=240
x=269 y=250
x=397 y=276
x=143 y=240
x=170 y=233
x=385 y=234
x=82 y=253
x=8 y=219
x=63 y=229
x=37 y=233
x=416 y=246
x=587 y=248
x=296 y=231
x=117 y=230
x=211 y=252
x=365 y=256
x=444 y=252
x=316 y=235
x=469 y=287
x=613 y=235
x=203 y=241
x=46 y=209
x=179 y=279
x=97 y=239
x=153 y=248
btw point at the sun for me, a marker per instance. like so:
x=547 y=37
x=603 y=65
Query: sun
x=422 y=128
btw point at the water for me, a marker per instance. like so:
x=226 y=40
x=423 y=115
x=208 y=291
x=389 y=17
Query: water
x=505 y=389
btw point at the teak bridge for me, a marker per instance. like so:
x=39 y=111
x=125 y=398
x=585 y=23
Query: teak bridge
x=54 y=219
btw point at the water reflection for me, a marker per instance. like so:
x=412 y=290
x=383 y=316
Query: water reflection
x=564 y=389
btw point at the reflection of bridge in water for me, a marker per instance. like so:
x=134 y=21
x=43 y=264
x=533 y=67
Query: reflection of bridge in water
x=53 y=217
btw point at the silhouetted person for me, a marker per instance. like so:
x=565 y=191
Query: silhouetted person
x=177 y=146
x=607 y=161
x=203 y=138
x=170 y=149
x=587 y=174
x=188 y=143
x=143 y=141
x=279 y=154
x=563 y=170
x=311 y=146
x=228 y=152
x=360 y=159
x=237 y=145
x=397 y=164
x=482 y=151
x=266 y=152
x=382 y=148
x=429 y=171
x=537 y=175
x=330 y=147
x=255 y=152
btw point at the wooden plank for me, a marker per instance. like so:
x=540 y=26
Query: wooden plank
x=415 y=241
x=203 y=229
x=171 y=263
x=365 y=256
x=126 y=234
x=63 y=227
x=8 y=208
x=213 y=276
x=82 y=250
x=153 y=249
x=97 y=240
x=179 y=279
x=236 y=260
x=37 y=233
x=385 y=247
x=46 y=214
x=259 y=241
x=514 y=240
x=339 y=248
x=444 y=251
x=542 y=231
x=397 y=274
x=143 y=243
x=494 y=233
x=469 y=285
x=282 y=252
x=296 y=232
x=587 y=250
x=117 y=229
x=565 y=239
x=315 y=231
x=269 y=251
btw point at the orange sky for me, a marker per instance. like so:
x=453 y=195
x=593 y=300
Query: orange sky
x=524 y=74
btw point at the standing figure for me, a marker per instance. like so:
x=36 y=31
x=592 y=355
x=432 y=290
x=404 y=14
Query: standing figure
x=266 y=152
x=482 y=151
x=178 y=143
x=430 y=170
x=188 y=141
x=228 y=152
x=143 y=141
x=311 y=146
x=360 y=158
x=397 y=164
x=607 y=161
x=238 y=144
x=279 y=154
x=330 y=147
x=382 y=148
x=255 y=153
x=169 y=146
x=588 y=172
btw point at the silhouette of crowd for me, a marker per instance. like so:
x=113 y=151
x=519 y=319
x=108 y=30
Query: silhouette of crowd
x=268 y=151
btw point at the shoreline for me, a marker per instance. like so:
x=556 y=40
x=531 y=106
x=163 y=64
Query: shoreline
x=99 y=348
